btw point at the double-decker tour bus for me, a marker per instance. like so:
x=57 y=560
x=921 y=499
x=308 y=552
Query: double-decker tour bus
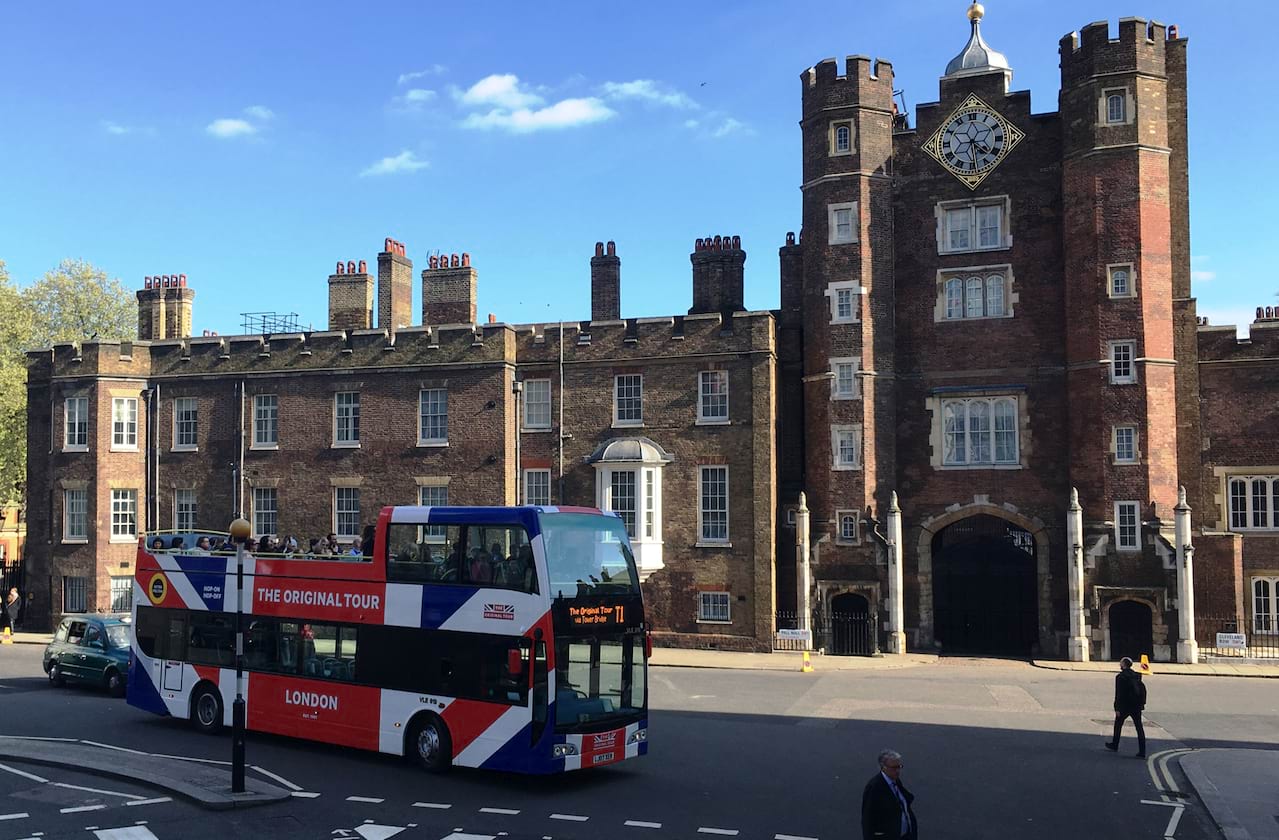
x=507 y=638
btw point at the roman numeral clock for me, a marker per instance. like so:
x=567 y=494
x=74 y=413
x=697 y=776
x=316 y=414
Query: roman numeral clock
x=973 y=141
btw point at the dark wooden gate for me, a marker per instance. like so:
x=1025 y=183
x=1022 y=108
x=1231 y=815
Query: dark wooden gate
x=985 y=598
x=1131 y=630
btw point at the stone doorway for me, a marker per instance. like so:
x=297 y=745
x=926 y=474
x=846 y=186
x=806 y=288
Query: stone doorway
x=985 y=593
x=850 y=625
x=1131 y=630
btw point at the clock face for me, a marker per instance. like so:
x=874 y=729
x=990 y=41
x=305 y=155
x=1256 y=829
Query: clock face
x=973 y=141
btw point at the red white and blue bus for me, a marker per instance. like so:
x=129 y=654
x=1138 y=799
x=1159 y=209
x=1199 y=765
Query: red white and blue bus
x=506 y=638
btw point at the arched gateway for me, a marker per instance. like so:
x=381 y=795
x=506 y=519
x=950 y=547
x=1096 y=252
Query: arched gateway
x=986 y=572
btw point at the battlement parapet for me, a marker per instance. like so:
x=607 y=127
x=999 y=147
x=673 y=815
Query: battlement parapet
x=617 y=342
x=1220 y=343
x=864 y=83
x=1091 y=51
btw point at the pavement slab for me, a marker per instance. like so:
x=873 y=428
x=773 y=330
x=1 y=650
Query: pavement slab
x=207 y=785
x=1240 y=789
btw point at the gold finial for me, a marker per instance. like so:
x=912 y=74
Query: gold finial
x=976 y=11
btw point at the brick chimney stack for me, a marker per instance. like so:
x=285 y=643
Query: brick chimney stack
x=606 y=283
x=718 y=269
x=350 y=297
x=165 y=302
x=394 y=287
x=449 y=286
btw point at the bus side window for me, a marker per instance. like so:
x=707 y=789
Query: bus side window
x=423 y=553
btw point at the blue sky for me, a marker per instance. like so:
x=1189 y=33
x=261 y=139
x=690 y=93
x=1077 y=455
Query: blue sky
x=251 y=146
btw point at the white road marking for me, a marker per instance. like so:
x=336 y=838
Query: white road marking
x=642 y=824
x=792 y=837
x=727 y=832
x=305 y=794
x=32 y=776
x=81 y=808
x=1157 y=766
x=1174 y=820
x=373 y=800
x=279 y=779
x=190 y=758
x=569 y=817
x=97 y=790
x=508 y=811
x=438 y=805
x=112 y=747
x=457 y=835
x=133 y=832
x=156 y=801
x=21 y=816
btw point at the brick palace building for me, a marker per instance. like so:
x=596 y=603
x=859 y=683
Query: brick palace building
x=983 y=311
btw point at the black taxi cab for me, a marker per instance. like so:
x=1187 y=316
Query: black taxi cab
x=90 y=649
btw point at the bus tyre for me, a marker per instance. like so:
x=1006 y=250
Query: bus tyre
x=115 y=683
x=206 y=710
x=429 y=744
x=55 y=675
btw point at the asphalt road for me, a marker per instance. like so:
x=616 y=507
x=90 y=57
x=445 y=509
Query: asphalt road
x=992 y=749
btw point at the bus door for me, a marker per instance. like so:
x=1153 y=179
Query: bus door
x=175 y=645
x=541 y=692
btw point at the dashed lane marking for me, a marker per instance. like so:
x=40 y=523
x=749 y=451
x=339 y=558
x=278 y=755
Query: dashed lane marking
x=24 y=774
x=154 y=801
x=305 y=794
x=21 y=816
x=792 y=837
x=642 y=824
x=508 y=811
x=112 y=747
x=132 y=832
x=441 y=806
x=81 y=809
x=569 y=817
x=727 y=832
x=372 y=800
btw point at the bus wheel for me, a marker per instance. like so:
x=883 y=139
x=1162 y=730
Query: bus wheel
x=429 y=744
x=206 y=710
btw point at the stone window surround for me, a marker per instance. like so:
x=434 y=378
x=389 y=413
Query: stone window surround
x=1130 y=379
x=832 y=149
x=838 y=429
x=856 y=392
x=832 y=294
x=1132 y=280
x=1004 y=202
x=1103 y=109
x=1221 y=495
x=1249 y=511
x=840 y=539
x=1272 y=615
x=832 y=236
x=1011 y=296
x=1114 y=445
x=937 y=427
x=1136 y=508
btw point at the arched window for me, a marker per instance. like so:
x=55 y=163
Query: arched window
x=974 y=307
x=847 y=526
x=994 y=295
x=1238 y=503
x=1115 y=111
x=954 y=298
x=1119 y=283
x=843 y=137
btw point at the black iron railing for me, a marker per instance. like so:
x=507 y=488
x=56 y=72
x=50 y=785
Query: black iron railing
x=1226 y=637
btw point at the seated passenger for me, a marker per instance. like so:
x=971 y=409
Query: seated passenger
x=178 y=544
x=202 y=546
x=157 y=544
x=479 y=570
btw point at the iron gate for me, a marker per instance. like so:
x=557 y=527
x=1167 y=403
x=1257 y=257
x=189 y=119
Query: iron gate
x=845 y=633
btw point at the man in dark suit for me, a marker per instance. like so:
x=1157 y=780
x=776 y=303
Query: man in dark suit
x=1130 y=699
x=886 y=804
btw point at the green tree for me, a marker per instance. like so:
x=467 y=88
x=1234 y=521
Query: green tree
x=73 y=302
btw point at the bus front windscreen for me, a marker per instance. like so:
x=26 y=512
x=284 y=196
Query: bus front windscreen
x=599 y=680
x=588 y=555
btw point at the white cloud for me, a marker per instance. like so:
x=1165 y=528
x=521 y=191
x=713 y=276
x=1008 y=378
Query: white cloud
x=1203 y=276
x=259 y=112
x=691 y=123
x=500 y=90
x=227 y=128
x=433 y=70
x=731 y=126
x=412 y=100
x=566 y=113
x=405 y=161
x=647 y=90
x=115 y=128
x=418 y=95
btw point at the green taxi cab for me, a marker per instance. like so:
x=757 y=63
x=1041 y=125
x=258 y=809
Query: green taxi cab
x=90 y=649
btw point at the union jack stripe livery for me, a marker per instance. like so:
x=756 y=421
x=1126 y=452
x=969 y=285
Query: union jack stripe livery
x=517 y=634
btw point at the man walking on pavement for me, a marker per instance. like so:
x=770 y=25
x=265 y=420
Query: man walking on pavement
x=1130 y=699
x=886 y=804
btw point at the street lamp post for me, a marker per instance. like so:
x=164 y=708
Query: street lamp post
x=240 y=530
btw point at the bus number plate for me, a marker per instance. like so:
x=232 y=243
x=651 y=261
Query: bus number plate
x=603 y=757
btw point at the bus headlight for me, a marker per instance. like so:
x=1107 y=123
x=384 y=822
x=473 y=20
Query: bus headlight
x=561 y=750
x=638 y=736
